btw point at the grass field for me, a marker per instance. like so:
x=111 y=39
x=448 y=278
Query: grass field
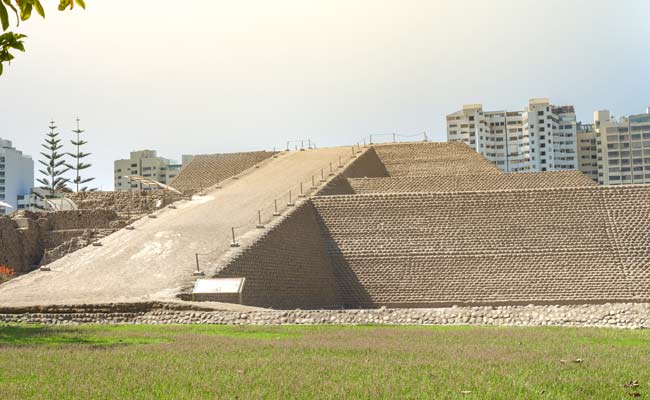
x=204 y=361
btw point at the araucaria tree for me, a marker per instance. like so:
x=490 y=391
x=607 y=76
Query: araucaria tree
x=78 y=165
x=53 y=180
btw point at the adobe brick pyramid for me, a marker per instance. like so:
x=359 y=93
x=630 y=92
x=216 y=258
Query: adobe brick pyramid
x=398 y=225
x=435 y=224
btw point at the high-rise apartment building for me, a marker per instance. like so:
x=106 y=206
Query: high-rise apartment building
x=622 y=148
x=542 y=137
x=145 y=163
x=16 y=175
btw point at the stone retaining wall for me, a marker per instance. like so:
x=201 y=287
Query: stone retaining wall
x=622 y=315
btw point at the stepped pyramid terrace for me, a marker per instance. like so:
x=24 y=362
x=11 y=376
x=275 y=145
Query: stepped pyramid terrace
x=404 y=225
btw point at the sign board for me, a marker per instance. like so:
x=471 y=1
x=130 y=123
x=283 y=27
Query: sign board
x=219 y=285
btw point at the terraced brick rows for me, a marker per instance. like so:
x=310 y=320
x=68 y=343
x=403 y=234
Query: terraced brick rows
x=543 y=245
x=426 y=159
x=466 y=183
x=208 y=170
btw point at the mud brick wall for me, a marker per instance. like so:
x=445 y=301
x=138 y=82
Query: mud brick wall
x=288 y=266
x=29 y=239
x=468 y=183
x=78 y=219
x=208 y=170
x=425 y=159
x=124 y=201
x=19 y=248
x=366 y=165
x=556 y=246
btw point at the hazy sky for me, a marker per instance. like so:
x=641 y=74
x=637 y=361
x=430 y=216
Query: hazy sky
x=222 y=76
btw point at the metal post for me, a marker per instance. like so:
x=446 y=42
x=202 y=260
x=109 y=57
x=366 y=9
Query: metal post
x=331 y=169
x=340 y=162
x=302 y=194
x=425 y=137
x=276 y=213
x=302 y=145
x=309 y=143
x=290 y=203
x=364 y=142
x=234 y=242
x=393 y=138
x=259 y=220
x=322 y=175
x=353 y=153
x=287 y=145
x=313 y=182
x=198 y=271
x=370 y=139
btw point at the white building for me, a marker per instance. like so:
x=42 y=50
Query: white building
x=16 y=175
x=622 y=147
x=144 y=163
x=542 y=137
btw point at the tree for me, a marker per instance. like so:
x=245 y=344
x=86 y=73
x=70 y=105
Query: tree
x=53 y=180
x=78 y=164
x=10 y=41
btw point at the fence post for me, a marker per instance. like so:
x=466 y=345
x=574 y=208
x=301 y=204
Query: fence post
x=393 y=138
x=290 y=203
x=234 y=242
x=322 y=175
x=302 y=193
x=198 y=271
x=259 y=220
x=340 y=162
x=353 y=152
x=276 y=213
x=313 y=182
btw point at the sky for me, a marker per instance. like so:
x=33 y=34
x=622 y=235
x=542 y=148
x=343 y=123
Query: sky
x=222 y=76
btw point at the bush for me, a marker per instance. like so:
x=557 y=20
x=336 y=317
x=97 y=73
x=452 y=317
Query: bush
x=6 y=273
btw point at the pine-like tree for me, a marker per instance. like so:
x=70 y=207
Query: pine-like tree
x=78 y=164
x=53 y=179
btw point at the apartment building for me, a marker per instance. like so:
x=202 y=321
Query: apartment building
x=16 y=175
x=541 y=137
x=587 y=151
x=144 y=163
x=622 y=147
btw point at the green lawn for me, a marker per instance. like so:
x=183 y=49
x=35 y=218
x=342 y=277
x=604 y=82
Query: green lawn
x=206 y=361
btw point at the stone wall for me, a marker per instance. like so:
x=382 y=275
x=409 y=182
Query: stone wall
x=287 y=267
x=366 y=165
x=621 y=315
x=561 y=246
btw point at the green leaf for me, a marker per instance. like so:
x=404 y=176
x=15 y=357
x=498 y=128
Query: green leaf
x=4 y=16
x=10 y=5
x=25 y=11
x=39 y=8
x=63 y=4
x=81 y=3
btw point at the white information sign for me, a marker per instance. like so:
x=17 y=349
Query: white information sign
x=219 y=285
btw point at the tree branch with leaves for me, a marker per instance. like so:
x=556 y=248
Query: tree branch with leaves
x=22 y=9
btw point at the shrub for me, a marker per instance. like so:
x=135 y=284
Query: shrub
x=6 y=273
